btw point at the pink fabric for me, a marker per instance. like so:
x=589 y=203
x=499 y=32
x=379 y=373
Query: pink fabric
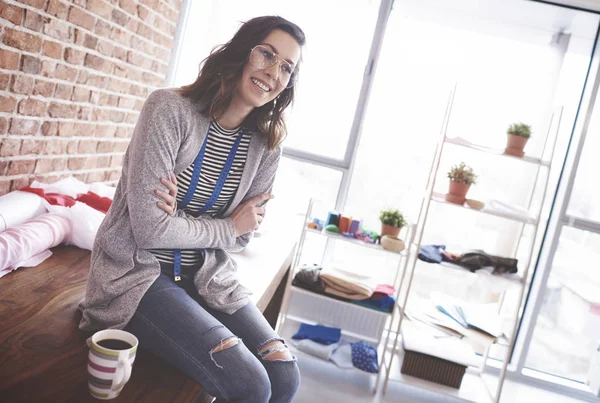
x=27 y=244
x=384 y=289
x=54 y=199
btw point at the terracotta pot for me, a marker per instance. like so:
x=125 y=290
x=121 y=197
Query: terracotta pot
x=515 y=145
x=457 y=192
x=387 y=229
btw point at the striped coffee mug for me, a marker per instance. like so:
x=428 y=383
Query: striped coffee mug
x=111 y=356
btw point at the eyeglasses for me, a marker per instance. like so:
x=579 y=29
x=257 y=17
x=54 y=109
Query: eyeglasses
x=263 y=57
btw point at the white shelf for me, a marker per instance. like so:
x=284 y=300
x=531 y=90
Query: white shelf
x=355 y=241
x=291 y=326
x=472 y=389
x=466 y=143
x=439 y=198
x=512 y=280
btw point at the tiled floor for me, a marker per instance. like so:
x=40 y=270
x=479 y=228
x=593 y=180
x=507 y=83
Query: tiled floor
x=322 y=383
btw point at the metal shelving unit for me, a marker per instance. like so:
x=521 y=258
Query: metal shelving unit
x=357 y=322
x=474 y=387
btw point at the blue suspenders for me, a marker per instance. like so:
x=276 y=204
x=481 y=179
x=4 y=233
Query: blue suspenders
x=215 y=194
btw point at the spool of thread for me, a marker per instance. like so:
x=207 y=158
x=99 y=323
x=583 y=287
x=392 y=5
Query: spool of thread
x=354 y=226
x=332 y=219
x=344 y=224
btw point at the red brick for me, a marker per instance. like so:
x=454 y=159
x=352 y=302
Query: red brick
x=57 y=9
x=102 y=28
x=21 y=167
x=32 y=107
x=34 y=3
x=138 y=91
x=99 y=7
x=120 y=53
x=55 y=147
x=22 y=40
x=32 y=147
x=139 y=104
x=122 y=146
x=121 y=36
x=87 y=146
x=105 y=147
x=82 y=77
x=118 y=86
x=74 y=56
x=64 y=72
x=72 y=147
x=70 y=129
x=43 y=88
x=126 y=102
x=17 y=184
x=120 y=71
x=4 y=183
x=151 y=79
x=76 y=163
x=94 y=62
x=53 y=49
x=10 y=147
x=116 y=161
x=43 y=166
x=9 y=60
x=100 y=115
x=97 y=81
x=30 y=64
x=48 y=68
x=59 y=164
x=79 y=37
x=63 y=91
x=84 y=113
x=103 y=162
x=7 y=104
x=49 y=128
x=129 y=6
x=4 y=80
x=11 y=13
x=132 y=25
x=58 y=29
x=3 y=125
x=132 y=118
x=105 y=131
x=33 y=21
x=119 y=17
x=81 y=18
x=113 y=100
x=122 y=132
x=105 y=47
x=97 y=176
x=24 y=126
x=115 y=175
x=21 y=84
x=90 y=41
x=81 y=94
x=145 y=31
x=145 y=15
x=57 y=110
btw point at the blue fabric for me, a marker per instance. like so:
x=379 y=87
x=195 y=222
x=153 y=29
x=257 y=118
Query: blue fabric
x=321 y=334
x=383 y=304
x=364 y=357
x=431 y=253
x=174 y=324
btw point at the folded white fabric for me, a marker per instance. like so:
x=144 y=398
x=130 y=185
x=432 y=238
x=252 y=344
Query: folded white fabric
x=85 y=223
x=315 y=349
x=347 y=285
x=342 y=356
x=19 y=207
x=27 y=245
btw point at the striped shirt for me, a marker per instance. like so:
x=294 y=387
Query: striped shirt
x=219 y=143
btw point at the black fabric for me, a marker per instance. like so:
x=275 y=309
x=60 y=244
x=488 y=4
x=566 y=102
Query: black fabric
x=478 y=259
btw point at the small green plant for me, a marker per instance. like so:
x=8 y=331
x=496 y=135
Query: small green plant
x=519 y=129
x=392 y=217
x=463 y=174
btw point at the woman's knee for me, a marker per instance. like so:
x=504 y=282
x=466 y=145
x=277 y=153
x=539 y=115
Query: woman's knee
x=283 y=369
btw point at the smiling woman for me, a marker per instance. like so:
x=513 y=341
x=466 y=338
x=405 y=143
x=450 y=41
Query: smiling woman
x=160 y=266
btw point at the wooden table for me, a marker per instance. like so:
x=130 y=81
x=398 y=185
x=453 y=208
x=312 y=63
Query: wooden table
x=43 y=355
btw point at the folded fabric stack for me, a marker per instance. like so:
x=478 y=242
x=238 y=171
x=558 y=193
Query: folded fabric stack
x=345 y=287
x=325 y=343
x=27 y=231
x=473 y=260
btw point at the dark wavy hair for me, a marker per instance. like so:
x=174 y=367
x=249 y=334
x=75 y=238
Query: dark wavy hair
x=221 y=71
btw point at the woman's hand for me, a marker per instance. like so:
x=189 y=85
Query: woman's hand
x=169 y=205
x=247 y=216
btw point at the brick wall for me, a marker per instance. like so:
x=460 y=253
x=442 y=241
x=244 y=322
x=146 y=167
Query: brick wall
x=73 y=77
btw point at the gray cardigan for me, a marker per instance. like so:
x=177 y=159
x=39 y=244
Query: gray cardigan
x=168 y=136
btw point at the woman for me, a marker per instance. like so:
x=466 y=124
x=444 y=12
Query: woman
x=168 y=278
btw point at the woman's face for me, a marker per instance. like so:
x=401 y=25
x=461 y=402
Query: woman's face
x=259 y=86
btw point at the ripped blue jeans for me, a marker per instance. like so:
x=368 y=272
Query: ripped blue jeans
x=231 y=356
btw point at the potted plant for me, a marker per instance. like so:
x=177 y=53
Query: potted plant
x=461 y=178
x=517 y=136
x=392 y=221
